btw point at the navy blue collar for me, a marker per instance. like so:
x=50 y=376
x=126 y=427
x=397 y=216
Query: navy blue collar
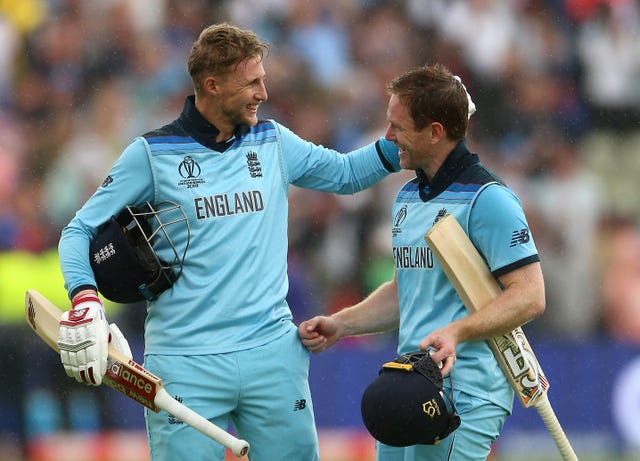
x=458 y=160
x=204 y=132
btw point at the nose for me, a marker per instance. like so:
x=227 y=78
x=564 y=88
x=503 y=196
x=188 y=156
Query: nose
x=262 y=95
x=389 y=134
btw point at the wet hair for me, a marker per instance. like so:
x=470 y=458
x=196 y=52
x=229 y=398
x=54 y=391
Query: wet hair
x=433 y=94
x=219 y=49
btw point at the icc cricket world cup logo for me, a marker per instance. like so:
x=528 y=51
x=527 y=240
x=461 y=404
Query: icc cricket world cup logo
x=190 y=171
x=189 y=168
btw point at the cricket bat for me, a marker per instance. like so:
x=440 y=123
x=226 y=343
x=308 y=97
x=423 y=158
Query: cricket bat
x=476 y=286
x=126 y=376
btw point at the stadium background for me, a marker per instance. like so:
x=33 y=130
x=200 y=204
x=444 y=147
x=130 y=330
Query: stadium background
x=556 y=85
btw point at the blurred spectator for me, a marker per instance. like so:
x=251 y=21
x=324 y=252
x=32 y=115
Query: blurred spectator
x=564 y=202
x=620 y=272
x=10 y=160
x=319 y=36
x=608 y=44
x=9 y=42
x=543 y=42
x=82 y=161
x=486 y=31
x=613 y=156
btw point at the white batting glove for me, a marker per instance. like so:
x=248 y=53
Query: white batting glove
x=118 y=341
x=83 y=340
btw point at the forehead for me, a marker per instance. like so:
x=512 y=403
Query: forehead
x=248 y=70
x=397 y=113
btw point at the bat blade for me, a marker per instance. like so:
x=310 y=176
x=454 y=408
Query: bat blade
x=476 y=287
x=128 y=377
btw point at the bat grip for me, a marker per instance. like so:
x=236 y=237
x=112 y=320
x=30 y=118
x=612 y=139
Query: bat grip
x=543 y=406
x=164 y=401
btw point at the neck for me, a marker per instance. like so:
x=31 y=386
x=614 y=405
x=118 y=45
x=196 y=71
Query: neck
x=211 y=115
x=440 y=154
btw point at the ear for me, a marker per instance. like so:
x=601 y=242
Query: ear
x=437 y=132
x=211 y=85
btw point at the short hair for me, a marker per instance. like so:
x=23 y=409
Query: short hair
x=433 y=94
x=221 y=47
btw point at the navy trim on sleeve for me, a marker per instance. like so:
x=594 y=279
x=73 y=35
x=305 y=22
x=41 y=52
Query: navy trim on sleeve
x=383 y=159
x=516 y=265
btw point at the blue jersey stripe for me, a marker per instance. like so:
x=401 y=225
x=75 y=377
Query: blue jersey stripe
x=169 y=139
x=455 y=193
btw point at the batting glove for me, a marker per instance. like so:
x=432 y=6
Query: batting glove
x=83 y=340
x=118 y=341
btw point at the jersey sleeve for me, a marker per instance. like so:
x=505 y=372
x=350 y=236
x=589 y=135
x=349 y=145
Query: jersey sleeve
x=499 y=229
x=129 y=182
x=316 y=167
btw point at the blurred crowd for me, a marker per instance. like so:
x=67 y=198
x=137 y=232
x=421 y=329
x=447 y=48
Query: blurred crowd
x=555 y=83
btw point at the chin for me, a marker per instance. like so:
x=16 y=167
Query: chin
x=406 y=165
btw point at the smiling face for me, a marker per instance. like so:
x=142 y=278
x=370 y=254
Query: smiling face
x=428 y=116
x=225 y=64
x=414 y=145
x=238 y=95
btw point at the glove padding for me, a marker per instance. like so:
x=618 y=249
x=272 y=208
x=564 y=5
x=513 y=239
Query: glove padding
x=118 y=341
x=83 y=340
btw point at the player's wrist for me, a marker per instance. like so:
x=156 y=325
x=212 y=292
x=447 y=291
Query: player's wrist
x=341 y=326
x=85 y=299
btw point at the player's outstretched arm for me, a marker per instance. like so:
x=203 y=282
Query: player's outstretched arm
x=377 y=313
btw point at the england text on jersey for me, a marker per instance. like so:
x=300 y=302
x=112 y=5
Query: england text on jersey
x=215 y=206
x=408 y=257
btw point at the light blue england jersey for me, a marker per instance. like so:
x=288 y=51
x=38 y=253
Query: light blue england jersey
x=494 y=220
x=231 y=293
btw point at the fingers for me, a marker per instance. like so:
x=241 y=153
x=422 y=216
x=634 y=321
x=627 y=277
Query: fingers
x=447 y=364
x=78 y=367
x=307 y=329
x=442 y=352
x=118 y=341
x=316 y=345
x=83 y=341
x=310 y=337
x=440 y=355
x=317 y=333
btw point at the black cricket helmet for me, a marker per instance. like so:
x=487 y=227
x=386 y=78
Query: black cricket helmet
x=405 y=405
x=125 y=252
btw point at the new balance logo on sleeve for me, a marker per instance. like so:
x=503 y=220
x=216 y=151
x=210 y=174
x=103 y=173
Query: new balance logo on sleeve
x=519 y=237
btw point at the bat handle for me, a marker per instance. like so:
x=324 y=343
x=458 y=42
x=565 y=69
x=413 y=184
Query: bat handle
x=164 y=401
x=543 y=406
